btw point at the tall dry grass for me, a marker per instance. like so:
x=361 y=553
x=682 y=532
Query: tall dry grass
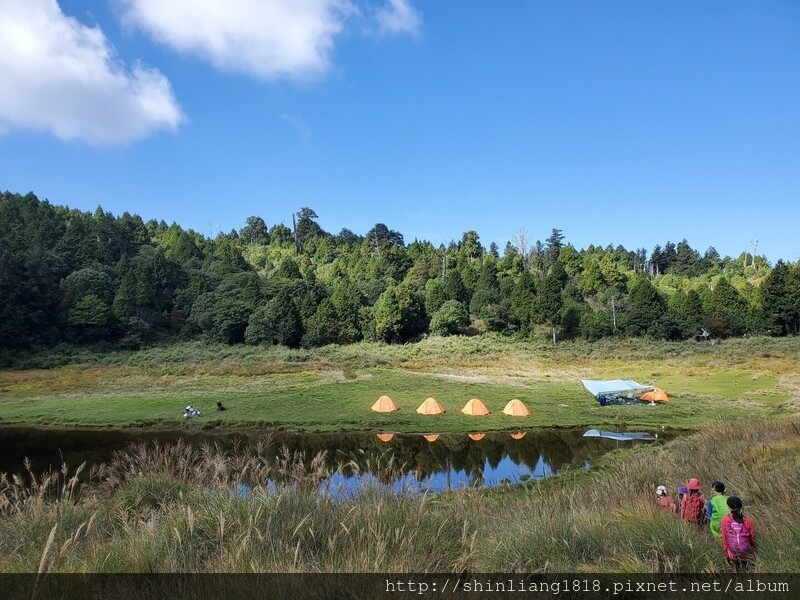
x=176 y=508
x=606 y=520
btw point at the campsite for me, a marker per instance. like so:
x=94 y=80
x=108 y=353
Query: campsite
x=333 y=388
x=298 y=291
x=734 y=403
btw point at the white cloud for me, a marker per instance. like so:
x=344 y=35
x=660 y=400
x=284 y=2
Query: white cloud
x=270 y=39
x=60 y=76
x=397 y=17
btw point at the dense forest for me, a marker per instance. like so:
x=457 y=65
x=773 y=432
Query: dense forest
x=68 y=276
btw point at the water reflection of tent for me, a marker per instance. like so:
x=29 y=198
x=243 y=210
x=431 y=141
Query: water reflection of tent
x=656 y=395
x=515 y=408
x=430 y=407
x=475 y=408
x=431 y=437
x=384 y=404
x=385 y=437
x=519 y=435
x=476 y=436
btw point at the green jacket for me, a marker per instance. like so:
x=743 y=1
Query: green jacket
x=717 y=508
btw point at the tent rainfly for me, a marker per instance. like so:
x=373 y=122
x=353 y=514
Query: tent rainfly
x=430 y=407
x=515 y=408
x=656 y=395
x=599 y=387
x=475 y=408
x=384 y=404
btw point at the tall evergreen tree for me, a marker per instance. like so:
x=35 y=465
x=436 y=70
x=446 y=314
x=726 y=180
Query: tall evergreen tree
x=646 y=306
x=554 y=245
x=549 y=301
x=523 y=300
x=389 y=316
x=686 y=259
x=778 y=312
x=727 y=310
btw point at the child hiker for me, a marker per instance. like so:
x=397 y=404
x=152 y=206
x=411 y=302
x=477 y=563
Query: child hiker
x=664 y=501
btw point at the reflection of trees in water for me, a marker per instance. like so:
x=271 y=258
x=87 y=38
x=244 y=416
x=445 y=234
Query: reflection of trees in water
x=352 y=452
x=451 y=451
x=413 y=453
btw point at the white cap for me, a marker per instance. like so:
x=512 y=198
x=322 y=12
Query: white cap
x=661 y=490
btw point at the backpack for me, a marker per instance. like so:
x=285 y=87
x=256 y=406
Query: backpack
x=695 y=509
x=666 y=504
x=739 y=542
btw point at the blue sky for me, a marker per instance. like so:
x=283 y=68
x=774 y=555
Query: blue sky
x=628 y=123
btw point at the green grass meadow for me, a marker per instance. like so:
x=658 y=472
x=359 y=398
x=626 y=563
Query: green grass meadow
x=170 y=508
x=333 y=388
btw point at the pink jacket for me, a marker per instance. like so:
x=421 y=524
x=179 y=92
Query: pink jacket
x=726 y=542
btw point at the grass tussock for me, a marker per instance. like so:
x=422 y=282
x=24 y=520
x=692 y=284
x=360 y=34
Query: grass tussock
x=175 y=508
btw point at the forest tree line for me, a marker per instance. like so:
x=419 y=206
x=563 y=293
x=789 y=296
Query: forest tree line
x=68 y=276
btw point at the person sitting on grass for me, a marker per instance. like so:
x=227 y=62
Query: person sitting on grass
x=220 y=407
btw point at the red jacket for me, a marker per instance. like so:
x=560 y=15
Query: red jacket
x=726 y=534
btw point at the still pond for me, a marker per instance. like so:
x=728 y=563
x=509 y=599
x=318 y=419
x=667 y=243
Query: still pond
x=431 y=462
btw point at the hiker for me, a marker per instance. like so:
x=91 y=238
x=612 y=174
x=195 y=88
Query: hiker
x=664 y=501
x=738 y=536
x=717 y=508
x=693 y=507
x=219 y=406
x=190 y=411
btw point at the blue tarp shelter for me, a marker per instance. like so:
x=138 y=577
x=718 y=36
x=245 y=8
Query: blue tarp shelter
x=608 y=387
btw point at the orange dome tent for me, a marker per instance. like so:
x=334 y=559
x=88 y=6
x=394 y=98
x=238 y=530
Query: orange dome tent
x=431 y=437
x=430 y=407
x=656 y=395
x=519 y=435
x=515 y=408
x=476 y=436
x=385 y=437
x=475 y=408
x=384 y=404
